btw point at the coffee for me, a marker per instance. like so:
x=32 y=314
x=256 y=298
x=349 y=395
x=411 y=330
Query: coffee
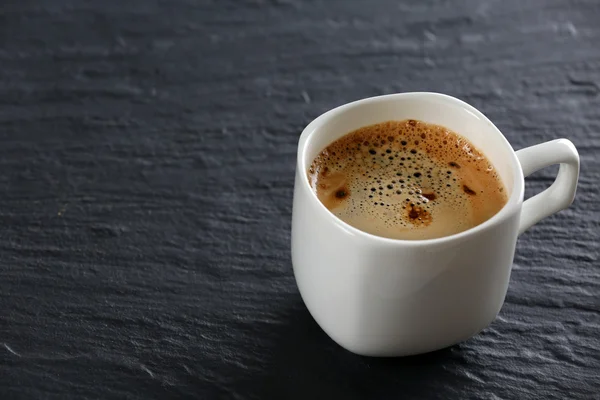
x=407 y=180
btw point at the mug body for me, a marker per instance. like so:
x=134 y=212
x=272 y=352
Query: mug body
x=384 y=297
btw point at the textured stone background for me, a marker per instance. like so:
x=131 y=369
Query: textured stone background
x=147 y=153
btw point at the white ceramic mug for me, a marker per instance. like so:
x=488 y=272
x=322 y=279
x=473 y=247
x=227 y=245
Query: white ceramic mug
x=384 y=297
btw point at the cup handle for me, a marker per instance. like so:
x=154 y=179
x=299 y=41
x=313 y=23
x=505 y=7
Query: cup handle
x=562 y=192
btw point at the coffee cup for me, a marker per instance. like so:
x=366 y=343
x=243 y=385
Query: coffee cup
x=377 y=296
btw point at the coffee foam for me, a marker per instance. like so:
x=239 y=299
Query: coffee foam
x=407 y=180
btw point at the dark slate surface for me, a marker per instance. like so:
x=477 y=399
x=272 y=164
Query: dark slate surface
x=147 y=153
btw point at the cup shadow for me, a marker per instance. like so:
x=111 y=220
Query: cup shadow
x=304 y=362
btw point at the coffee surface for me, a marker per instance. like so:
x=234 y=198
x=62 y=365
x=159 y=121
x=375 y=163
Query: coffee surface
x=407 y=180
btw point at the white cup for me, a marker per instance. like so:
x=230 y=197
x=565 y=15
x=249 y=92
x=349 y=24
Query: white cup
x=384 y=297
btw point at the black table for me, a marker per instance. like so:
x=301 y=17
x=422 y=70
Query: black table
x=147 y=152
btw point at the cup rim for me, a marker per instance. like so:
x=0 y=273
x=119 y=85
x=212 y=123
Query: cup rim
x=511 y=207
